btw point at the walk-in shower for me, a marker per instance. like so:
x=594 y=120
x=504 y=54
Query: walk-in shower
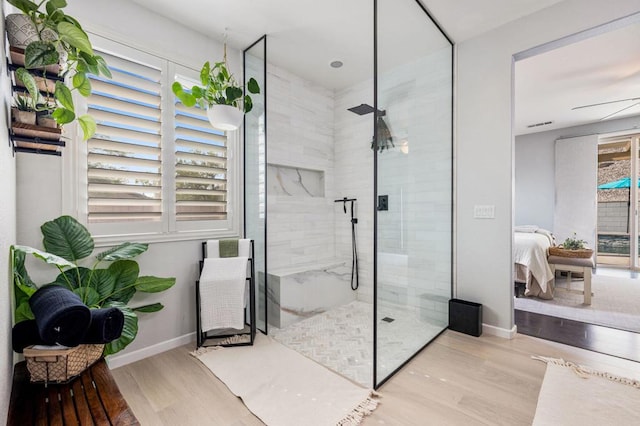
x=361 y=295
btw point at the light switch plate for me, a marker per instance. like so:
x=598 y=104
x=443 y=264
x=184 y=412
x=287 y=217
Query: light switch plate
x=484 y=212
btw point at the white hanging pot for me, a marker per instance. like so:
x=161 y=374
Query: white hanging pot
x=20 y=30
x=225 y=117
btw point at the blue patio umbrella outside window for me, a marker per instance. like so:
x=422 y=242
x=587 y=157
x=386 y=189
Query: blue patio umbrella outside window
x=621 y=184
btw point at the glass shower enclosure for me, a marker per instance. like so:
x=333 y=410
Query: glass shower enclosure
x=393 y=157
x=413 y=182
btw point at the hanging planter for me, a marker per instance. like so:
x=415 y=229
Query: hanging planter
x=220 y=94
x=225 y=117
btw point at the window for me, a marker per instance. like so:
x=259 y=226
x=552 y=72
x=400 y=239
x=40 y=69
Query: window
x=154 y=166
x=201 y=166
x=124 y=159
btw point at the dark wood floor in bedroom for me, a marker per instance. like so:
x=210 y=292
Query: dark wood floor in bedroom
x=606 y=340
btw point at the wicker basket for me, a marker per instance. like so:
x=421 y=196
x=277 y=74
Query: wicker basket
x=60 y=365
x=563 y=252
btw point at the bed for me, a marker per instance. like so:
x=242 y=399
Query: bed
x=530 y=249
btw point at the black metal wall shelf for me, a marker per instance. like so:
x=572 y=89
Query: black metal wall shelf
x=36 y=72
x=32 y=143
x=36 y=145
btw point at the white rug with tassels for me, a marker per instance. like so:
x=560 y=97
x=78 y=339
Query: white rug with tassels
x=573 y=394
x=282 y=387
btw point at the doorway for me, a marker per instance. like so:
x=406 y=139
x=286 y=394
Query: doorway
x=608 y=130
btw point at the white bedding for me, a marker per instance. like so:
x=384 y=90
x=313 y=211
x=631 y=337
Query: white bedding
x=530 y=250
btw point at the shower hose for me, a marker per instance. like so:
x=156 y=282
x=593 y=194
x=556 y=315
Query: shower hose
x=354 y=253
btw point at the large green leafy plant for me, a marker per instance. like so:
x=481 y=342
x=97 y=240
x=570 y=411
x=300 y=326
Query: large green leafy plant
x=67 y=243
x=71 y=49
x=219 y=87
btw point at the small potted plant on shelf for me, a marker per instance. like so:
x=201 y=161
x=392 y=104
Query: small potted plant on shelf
x=572 y=247
x=220 y=94
x=23 y=110
x=53 y=37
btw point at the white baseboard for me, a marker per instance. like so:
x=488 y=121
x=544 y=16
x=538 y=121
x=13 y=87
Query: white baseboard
x=115 y=361
x=505 y=333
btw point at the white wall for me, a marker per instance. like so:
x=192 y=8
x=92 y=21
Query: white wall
x=7 y=238
x=484 y=145
x=41 y=187
x=534 y=168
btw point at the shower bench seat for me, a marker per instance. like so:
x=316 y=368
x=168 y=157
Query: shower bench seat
x=93 y=398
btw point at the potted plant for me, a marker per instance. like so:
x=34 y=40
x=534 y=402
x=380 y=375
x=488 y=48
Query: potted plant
x=23 y=110
x=572 y=247
x=57 y=38
x=68 y=243
x=45 y=119
x=220 y=94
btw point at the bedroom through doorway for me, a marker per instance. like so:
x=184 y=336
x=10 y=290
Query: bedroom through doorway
x=576 y=167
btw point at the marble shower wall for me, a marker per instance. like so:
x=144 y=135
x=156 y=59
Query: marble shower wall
x=354 y=179
x=414 y=235
x=300 y=171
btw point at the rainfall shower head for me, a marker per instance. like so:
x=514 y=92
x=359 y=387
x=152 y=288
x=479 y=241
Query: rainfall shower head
x=363 y=109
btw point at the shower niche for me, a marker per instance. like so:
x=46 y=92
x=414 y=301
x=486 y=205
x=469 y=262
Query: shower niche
x=292 y=181
x=377 y=128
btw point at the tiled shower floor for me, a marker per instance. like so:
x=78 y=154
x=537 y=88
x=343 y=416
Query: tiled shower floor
x=342 y=339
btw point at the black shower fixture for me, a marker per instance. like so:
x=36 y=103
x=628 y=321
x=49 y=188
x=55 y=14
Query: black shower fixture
x=363 y=109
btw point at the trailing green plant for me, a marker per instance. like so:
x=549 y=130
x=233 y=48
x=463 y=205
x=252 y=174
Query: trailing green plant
x=219 y=87
x=67 y=242
x=573 y=243
x=71 y=49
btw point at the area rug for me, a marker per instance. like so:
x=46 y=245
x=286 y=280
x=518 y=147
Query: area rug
x=572 y=394
x=615 y=303
x=282 y=387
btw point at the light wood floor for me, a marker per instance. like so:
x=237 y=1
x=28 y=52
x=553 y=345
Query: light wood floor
x=457 y=380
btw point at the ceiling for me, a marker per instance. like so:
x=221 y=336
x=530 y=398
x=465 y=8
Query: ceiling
x=598 y=70
x=304 y=36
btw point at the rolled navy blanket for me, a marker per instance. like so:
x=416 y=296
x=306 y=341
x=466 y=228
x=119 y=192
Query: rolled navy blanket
x=61 y=316
x=25 y=334
x=106 y=326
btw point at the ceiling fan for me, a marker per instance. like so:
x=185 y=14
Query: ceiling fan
x=636 y=101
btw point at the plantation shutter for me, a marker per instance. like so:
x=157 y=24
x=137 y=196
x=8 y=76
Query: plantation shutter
x=124 y=157
x=201 y=166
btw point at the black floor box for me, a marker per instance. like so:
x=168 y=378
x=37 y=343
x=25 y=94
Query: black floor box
x=465 y=317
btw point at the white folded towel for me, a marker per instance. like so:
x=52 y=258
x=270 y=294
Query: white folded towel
x=222 y=292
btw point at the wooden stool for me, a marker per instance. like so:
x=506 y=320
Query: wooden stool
x=574 y=264
x=91 y=399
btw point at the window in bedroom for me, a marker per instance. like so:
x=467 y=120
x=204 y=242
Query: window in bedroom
x=154 y=166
